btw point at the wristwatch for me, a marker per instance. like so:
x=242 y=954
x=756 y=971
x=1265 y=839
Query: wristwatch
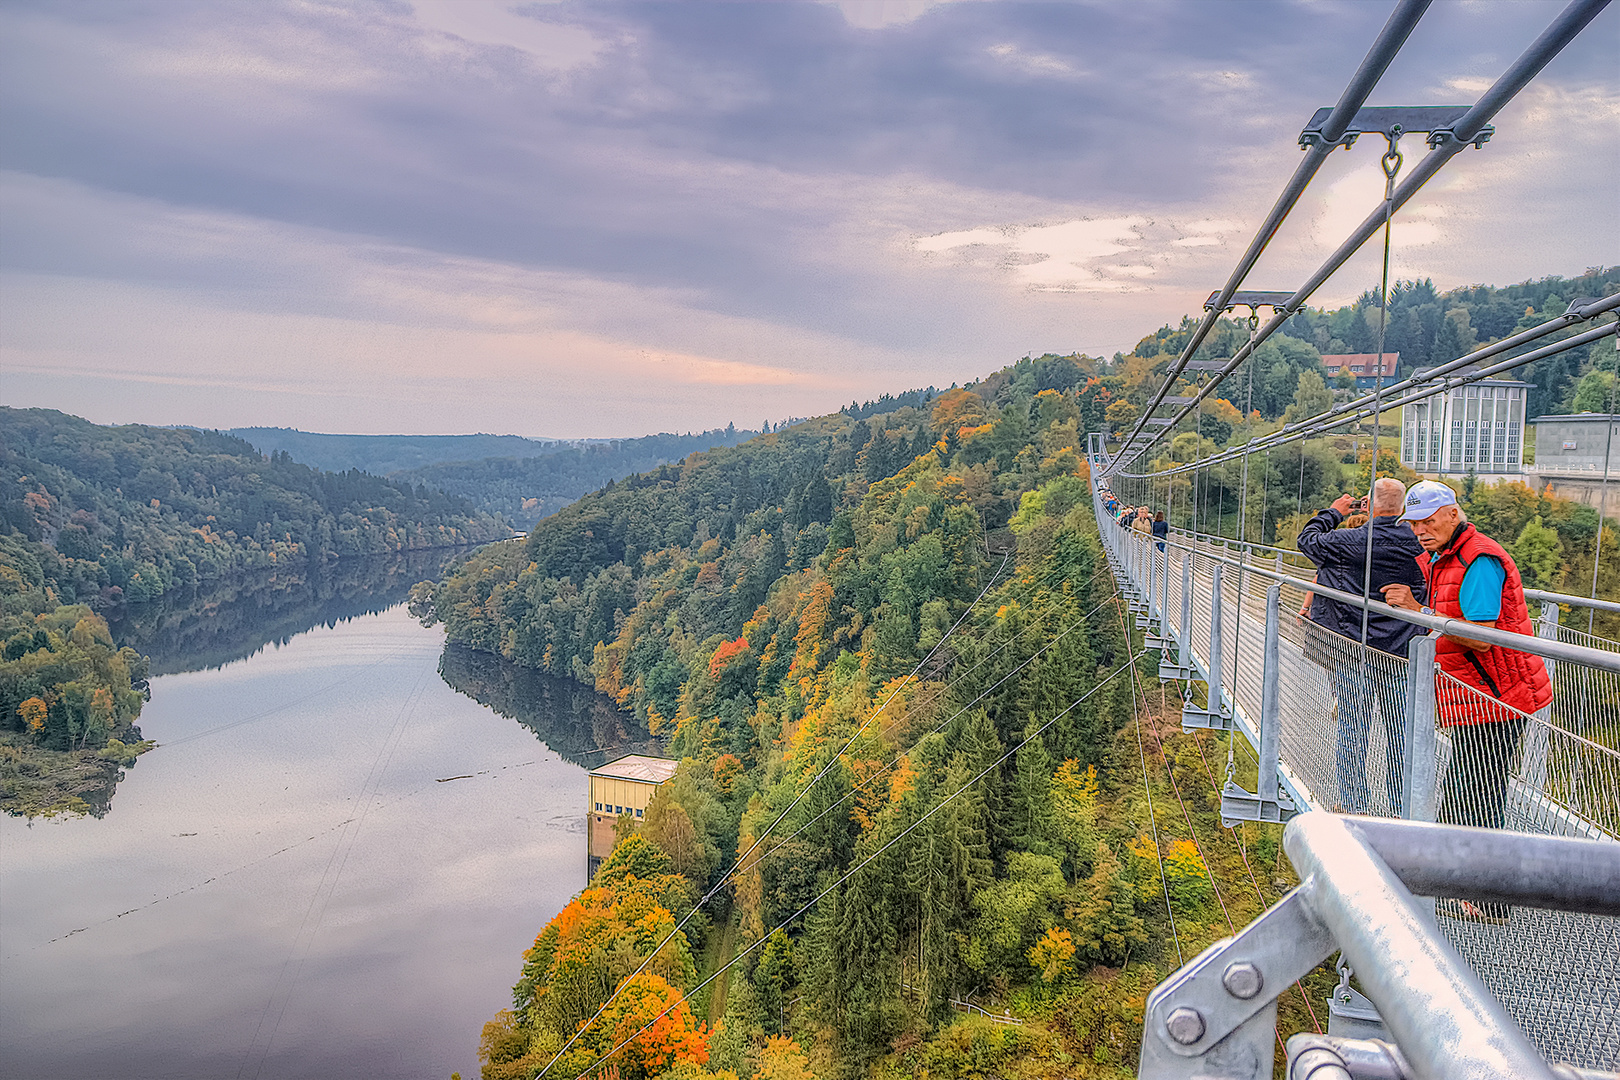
x=1428 y=611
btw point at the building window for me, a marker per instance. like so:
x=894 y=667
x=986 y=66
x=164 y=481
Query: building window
x=598 y=808
x=618 y=809
x=638 y=811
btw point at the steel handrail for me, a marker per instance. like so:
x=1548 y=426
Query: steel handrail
x=1540 y=596
x=1547 y=648
x=1216 y=1016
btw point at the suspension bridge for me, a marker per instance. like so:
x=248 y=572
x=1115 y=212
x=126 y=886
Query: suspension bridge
x=1531 y=990
x=1535 y=993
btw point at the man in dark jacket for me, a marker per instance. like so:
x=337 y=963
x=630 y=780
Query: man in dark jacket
x=1361 y=681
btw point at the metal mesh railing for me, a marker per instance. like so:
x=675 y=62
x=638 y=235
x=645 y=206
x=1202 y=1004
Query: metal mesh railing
x=1343 y=715
x=1557 y=973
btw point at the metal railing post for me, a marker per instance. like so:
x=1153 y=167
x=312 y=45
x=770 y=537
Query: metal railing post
x=1536 y=736
x=1267 y=802
x=1419 y=766
x=1270 y=721
x=1144 y=621
x=1215 y=714
x=1183 y=667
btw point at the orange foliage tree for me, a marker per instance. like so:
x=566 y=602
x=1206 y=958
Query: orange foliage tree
x=33 y=711
x=656 y=1025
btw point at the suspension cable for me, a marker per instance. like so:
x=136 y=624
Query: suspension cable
x=1389 y=42
x=1420 y=389
x=1391 y=164
x=1444 y=146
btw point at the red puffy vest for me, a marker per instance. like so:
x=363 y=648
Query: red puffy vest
x=1514 y=678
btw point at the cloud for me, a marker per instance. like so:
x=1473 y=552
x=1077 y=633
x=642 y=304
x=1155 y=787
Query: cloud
x=781 y=199
x=880 y=14
x=557 y=46
x=1087 y=255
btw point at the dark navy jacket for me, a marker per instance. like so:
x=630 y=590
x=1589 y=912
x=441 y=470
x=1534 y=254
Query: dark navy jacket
x=1340 y=556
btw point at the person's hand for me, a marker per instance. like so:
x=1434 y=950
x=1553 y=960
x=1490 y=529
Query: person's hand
x=1343 y=504
x=1397 y=595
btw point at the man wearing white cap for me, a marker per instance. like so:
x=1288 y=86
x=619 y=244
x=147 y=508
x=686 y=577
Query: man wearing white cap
x=1471 y=577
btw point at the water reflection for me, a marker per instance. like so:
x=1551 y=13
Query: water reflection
x=330 y=866
x=199 y=629
x=582 y=726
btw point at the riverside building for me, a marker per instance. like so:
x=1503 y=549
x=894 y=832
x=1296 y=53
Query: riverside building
x=621 y=787
x=1477 y=428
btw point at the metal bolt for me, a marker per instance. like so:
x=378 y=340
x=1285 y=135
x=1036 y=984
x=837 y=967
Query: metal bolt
x=1242 y=980
x=1185 y=1025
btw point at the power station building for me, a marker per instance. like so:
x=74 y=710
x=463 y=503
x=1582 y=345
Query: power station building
x=1478 y=428
x=618 y=788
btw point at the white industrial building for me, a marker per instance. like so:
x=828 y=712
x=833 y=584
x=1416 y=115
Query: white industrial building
x=1476 y=428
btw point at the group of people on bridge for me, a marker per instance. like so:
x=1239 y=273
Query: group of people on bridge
x=1419 y=552
x=1141 y=518
x=1416 y=550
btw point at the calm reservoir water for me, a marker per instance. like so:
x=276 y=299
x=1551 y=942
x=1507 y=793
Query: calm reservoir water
x=330 y=867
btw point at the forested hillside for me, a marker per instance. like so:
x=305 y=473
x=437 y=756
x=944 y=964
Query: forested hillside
x=912 y=607
x=525 y=489
x=128 y=513
x=380 y=455
x=920 y=774
x=95 y=517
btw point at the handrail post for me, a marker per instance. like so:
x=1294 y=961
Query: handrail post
x=1182 y=668
x=1144 y=620
x=1270 y=721
x=1418 y=767
x=1268 y=802
x=1215 y=714
x=1536 y=736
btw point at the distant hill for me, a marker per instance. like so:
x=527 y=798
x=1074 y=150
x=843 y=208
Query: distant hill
x=109 y=513
x=383 y=454
x=526 y=489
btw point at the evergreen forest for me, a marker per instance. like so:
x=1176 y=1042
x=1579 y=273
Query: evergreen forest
x=931 y=817
x=95 y=520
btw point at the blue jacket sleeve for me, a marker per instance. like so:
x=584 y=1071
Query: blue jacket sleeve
x=1322 y=542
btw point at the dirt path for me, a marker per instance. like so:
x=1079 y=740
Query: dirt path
x=722 y=946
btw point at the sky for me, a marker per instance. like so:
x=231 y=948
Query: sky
x=605 y=219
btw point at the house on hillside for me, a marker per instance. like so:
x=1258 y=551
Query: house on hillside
x=1364 y=366
x=618 y=788
x=1477 y=428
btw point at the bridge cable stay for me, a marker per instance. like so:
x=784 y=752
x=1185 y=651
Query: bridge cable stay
x=742 y=862
x=1138 y=693
x=1603 y=489
x=1139 y=697
x=1445 y=143
x=1248 y=869
x=1147 y=788
x=1431 y=383
x=853 y=870
x=1389 y=42
x=864 y=784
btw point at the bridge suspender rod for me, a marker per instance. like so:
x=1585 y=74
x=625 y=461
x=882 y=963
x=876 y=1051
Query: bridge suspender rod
x=1373 y=65
x=1446 y=145
x=1427 y=387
